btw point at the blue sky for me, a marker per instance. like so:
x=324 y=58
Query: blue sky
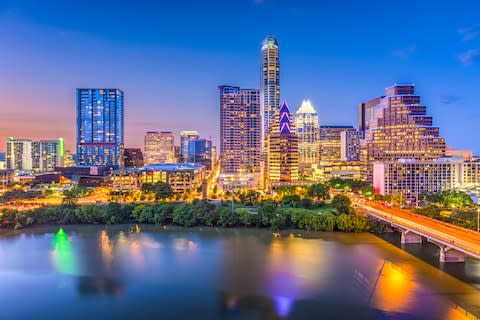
x=169 y=58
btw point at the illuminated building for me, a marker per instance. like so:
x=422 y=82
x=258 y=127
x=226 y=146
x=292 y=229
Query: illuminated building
x=6 y=178
x=133 y=158
x=336 y=169
x=350 y=145
x=398 y=127
x=159 y=147
x=125 y=181
x=240 y=131
x=282 y=149
x=68 y=160
x=308 y=133
x=19 y=155
x=47 y=155
x=409 y=177
x=100 y=127
x=185 y=137
x=467 y=155
x=182 y=178
x=331 y=143
x=200 y=151
x=3 y=163
x=270 y=82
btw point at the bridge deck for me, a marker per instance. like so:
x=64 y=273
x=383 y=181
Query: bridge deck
x=461 y=239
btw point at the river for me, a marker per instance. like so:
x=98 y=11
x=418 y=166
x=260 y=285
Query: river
x=124 y=272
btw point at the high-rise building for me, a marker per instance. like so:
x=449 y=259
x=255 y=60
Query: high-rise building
x=240 y=132
x=308 y=133
x=282 y=151
x=3 y=163
x=133 y=158
x=350 y=145
x=19 y=154
x=159 y=147
x=47 y=155
x=200 y=151
x=185 y=137
x=68 y=159
x=399 y=128
x=331 y=143
x=270 y=82
x=100 y=127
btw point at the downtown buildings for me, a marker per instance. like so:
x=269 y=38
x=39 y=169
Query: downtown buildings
x=308 y=132
x=240 y=137
x=270 y=82
x=100 y=127
x=185 y=138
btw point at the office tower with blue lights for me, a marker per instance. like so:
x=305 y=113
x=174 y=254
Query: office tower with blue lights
x=200 y=151
x=185 y=137
x=270 y=82
x=100 y=127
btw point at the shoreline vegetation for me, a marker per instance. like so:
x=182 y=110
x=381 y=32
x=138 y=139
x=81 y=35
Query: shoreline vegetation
x=337 y=216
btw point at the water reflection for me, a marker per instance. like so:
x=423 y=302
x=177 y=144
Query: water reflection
x=63 y=254
x=167 y=272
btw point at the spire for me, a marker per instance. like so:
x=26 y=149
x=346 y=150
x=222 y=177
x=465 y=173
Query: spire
x=285 y=119
x=306 y=107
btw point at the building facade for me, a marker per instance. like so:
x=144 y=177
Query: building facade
x=182 y=178
x=350 y=145
x=47 y=155
x=331 y=142
x=200 y=151
x=398 y=127
x=282 y=151
x=6 y=178
x=19 y=155
x=185 y=138
x=410 y=178
x=270 y=82
x=240 y=130
x=133 y=158
x=159 y=147
x=100 y=127
x=308 y=133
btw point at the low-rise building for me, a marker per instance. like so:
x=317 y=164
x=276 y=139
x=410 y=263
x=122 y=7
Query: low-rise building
x=6 y=178
x=410 y=178
x=182 y=177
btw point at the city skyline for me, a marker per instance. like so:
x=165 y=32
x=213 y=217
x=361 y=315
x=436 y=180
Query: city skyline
x=311 y=68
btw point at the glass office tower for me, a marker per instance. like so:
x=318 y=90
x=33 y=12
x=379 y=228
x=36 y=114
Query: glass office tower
x=270 y=82
x=100 y=127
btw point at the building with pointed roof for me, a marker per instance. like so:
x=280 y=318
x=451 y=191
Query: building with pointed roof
x=308 y=133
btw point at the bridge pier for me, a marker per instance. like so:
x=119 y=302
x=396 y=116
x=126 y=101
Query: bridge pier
x=448 y=254
x=410 y=237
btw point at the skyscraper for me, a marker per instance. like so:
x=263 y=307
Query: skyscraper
x=270 y=82
x=282 y=151
x=399 y=128
x=240 y=130
x=159 y=147
x=185 y=137
x=100 y=127
x=308 y=133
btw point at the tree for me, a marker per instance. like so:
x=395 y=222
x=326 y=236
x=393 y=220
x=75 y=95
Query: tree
x=226 y=218
x=293 y=201
x=318 y=191
x=341 y=203
x=185 y=215
x=250 y=197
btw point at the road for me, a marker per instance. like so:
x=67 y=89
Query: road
x=460 y=237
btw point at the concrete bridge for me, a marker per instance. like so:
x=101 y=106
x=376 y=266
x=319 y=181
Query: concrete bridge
x=454 y=242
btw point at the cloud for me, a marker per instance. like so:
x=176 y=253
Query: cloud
x=469 y=33
x=468 y=57
x=405 y=53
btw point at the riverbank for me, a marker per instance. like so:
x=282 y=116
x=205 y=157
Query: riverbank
x=268 y=215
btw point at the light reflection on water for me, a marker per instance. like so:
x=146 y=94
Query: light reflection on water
x=122 y=272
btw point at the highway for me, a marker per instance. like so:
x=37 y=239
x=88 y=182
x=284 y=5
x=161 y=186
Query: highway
x=462 y=238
